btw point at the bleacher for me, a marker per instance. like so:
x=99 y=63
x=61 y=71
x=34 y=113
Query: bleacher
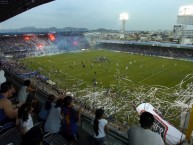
x=176 y=51
x=30 y=44
x=85 y=128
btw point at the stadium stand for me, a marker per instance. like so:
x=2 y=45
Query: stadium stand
x=178 y=51
x=11 y=136
x=30 y=44
x=54 y=139
x=85 y=127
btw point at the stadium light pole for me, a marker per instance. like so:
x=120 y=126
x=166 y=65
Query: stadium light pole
x=123 y=18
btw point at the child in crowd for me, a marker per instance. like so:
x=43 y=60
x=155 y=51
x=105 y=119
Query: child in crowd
x=25 y=119
x=100 y=127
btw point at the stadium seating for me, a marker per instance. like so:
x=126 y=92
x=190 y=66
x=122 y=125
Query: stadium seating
x=11 y=136
x=54 y=139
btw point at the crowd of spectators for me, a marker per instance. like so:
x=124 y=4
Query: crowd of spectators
x=33 y=44
x=61 y=118
x=179 y=53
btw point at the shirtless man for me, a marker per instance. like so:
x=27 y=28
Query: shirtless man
x=8 y=113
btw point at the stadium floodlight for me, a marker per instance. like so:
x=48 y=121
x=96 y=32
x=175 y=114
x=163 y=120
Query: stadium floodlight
x=123 y=18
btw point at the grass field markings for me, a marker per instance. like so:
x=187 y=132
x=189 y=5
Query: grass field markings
x=50 y=61
x=141 y=76
x=161 y=71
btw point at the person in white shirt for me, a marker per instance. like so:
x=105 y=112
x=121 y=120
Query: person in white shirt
x=24 y=91
x=2 y=75
x=142 y=135
x=25 y=119
x=54 y=118
x=100 y=127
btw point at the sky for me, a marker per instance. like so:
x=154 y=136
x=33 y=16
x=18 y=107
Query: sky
x=94 y=14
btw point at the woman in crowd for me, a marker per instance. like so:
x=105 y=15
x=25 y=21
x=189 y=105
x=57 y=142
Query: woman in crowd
x=100 y=127
x=25 y=119
x=54 y=118
x=71 y=117
x=46 y=108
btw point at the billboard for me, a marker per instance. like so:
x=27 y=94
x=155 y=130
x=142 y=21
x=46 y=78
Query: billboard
x=186 y=10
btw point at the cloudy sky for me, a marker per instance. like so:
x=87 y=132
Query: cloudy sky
x=94 y=14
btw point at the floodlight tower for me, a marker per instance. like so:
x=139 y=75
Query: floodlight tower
x=123 y=18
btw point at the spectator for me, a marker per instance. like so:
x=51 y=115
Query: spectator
x=2 y=75
x=71 y=117
x=53 y=121
x=100 y=127
x=26 y=122
x=46 y=108
x=24 y=91
x=143 y=135
x=33 y=137
x=8 y=113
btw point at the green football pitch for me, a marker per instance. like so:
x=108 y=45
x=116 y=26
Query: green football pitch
x=129 y=77
x=133 y=70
